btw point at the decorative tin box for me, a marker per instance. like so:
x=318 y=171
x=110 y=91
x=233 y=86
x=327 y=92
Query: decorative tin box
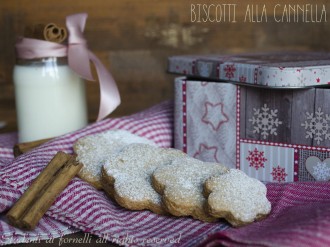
x=272 y=134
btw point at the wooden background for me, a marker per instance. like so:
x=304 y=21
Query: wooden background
x=134 y=38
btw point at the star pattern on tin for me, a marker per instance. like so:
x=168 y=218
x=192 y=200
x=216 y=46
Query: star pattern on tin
x=278 y=174
x=256 y=159
x=215 y=115
x=206 y=153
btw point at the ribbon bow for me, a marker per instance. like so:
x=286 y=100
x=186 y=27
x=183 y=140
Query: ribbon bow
x=79 y=58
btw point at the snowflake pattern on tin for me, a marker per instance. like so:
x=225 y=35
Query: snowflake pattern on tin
x=256 y=159
x=265 y=121
x=321 y=171
x=230 y=70
x=279 y=174
x=317 y=126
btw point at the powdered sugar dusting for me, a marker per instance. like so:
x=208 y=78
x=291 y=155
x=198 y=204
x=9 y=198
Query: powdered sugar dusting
x=132 y=169
x=242 y=196
x=94 y=150
x=184 y=179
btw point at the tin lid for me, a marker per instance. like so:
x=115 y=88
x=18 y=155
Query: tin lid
x=278 y=70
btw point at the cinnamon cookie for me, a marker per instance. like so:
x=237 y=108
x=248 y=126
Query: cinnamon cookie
x=92 y=151
x=237 y=198
x=181 y=186
x=126 y=176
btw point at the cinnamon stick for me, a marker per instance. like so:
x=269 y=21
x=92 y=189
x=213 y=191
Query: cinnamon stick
x=24 y=147
x=49 y=32
x=54 y=33
x=38 y=198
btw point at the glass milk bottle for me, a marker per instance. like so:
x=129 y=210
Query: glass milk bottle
x=50 y=98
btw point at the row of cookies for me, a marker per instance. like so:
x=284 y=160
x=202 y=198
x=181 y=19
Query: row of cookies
x=94 y=150
x=142 y=176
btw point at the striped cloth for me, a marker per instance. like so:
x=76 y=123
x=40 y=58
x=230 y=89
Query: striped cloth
x=81 y=207
x=300 y=211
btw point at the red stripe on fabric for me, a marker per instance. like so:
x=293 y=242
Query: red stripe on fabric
x=156 y=122
x=169 y=228
x=136 y=224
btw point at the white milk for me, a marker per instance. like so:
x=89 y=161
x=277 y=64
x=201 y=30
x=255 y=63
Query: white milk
x=50 y=101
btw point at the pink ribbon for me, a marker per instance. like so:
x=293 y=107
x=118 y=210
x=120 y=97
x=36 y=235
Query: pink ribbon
x=79 y=58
